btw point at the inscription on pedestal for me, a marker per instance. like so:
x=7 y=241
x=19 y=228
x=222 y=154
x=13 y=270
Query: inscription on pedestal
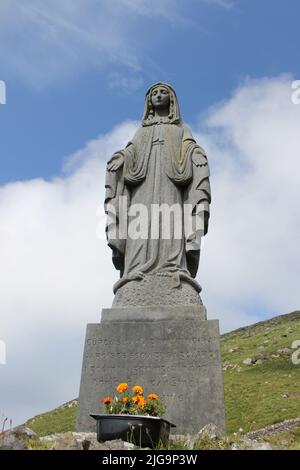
x=179 y=360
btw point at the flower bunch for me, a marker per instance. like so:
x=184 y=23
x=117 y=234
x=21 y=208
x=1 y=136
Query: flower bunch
x=134 y=403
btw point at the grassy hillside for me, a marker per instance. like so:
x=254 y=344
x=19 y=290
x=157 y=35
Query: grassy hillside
x=265 y=392
x=62 y=419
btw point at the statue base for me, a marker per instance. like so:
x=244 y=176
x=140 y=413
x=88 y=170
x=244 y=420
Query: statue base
x=171 y=351
x=168 y=290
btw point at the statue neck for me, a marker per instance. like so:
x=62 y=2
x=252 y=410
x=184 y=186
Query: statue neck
x=162 y=112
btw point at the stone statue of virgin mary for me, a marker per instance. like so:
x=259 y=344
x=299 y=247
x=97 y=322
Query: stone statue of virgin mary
x=158 y=189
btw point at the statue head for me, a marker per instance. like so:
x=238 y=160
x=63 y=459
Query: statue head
x=161 y=96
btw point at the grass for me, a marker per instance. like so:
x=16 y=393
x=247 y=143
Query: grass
x=256 y=396
x=33 y=444
x=204 y=443
x=286 y=440
x=260 y=395
x=60 y=420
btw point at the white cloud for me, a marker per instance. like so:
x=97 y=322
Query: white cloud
x=251 y=255
x=56 y=275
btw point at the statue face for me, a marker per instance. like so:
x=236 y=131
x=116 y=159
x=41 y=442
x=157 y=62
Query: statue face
x=160 y=98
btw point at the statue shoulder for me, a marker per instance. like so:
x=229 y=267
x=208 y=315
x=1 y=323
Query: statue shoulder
x=187 y=134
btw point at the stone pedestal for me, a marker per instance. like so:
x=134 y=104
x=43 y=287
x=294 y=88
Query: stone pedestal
x=171 y=351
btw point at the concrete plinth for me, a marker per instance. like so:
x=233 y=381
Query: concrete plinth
x=172 y=352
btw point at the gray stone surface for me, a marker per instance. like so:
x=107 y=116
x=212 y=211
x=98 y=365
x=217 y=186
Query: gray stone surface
x=184 y=312
x=248 y=361
x=156 y=290
x=83 y=441
x=12 y=439
x=177 y=359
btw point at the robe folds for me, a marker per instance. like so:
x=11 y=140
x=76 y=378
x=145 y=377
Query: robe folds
x=161 y=167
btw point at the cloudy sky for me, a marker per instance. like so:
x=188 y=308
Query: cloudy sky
x=75 y=73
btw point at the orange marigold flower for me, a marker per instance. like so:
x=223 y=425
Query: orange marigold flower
x=142 y=402
x=107 y=400
x=153 y=396
x=137 y=390
x=126 y=400
x=136 y=399
x=121 y=388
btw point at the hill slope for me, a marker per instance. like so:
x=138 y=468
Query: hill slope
x=265 y=392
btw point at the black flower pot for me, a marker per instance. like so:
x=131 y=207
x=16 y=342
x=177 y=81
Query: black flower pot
x=143 y=431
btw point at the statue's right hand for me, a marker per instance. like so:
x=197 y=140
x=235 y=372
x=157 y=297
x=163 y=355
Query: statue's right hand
x=116 y=161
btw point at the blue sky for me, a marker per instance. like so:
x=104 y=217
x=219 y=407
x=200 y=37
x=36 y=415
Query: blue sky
x=56 y=103
x=76 y=73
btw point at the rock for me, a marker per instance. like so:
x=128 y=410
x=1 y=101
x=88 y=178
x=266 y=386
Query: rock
x=178 y=437
x=73 y=441
x=232 y=350
x=95 y=445
x=120 y=445
x=189 y=441
x=84 y=441
x=72 y=403
x=253 y=444
x=277 y=428
x=12 y=439
x=236 y=447
x=285 y=351
x=9 y=441
x=247 y=361
x=211 y=431
x=265 y=446
x=129 y=446
x=66 y=441
x=23 y=431
x=84 y=445
x=258 y=362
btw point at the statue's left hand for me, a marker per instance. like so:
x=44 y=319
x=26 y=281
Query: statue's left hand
x=199 y=156
x=116 y=161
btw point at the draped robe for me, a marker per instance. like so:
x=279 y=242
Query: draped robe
x=161 y=165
